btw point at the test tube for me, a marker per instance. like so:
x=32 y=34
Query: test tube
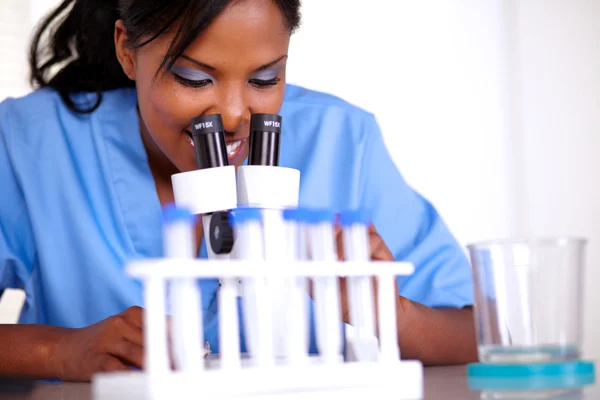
x=326 y=289
x=388 y=327
x=275 y=250
x=247 y=223
x=186 y=319
x=156 y=353
x=229 y=329
x=297 y=335
x=355 y=234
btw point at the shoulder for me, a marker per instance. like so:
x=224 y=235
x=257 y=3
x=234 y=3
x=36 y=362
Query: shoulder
x=41 y=121
x=299 y=100
x=329 y=140
x=311 y=110
x=18 y=114
x=299 y=95
x=321 y=123
x=33 y=112
x=42 y=107
x=30 y=102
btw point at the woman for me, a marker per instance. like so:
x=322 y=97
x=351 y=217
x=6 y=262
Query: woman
x=86 y=163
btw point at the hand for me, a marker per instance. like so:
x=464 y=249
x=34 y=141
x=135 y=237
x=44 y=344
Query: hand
x=433 y=336
x=114 y=344
x=379 y=250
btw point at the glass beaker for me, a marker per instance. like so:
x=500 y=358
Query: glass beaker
x=528 y=299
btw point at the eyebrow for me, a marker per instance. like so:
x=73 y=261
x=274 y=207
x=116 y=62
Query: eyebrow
x=211 y=68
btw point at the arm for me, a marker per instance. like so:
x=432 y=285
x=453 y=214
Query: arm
x=26 y=351
x=24 y=348
x=436 y=336
x=435 y=320
x=72 y=354
x=47 y=352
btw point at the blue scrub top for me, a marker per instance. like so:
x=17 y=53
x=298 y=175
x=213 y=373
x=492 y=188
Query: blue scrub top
x=78 y=200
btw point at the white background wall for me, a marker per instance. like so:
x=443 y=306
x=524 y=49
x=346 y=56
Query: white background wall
x=490 y=109
x=433 y=73
x=14 y=29
x=559 y=63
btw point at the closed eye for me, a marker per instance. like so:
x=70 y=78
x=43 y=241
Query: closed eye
x=261 y=83
x=191 y=77
x=192 y=83
x=265 y=78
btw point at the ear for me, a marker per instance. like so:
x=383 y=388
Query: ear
x=125 y=55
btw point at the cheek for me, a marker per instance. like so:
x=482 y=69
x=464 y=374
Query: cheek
x=168 y=108
x=166 y=111
x=268 y=101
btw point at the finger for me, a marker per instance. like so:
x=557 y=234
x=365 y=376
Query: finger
x=110 y=364
x=379 y=250
x=130 y=332
x=342 y=282
x=127 y=352
x=126 y=341
x=344 y=303
x=169 y=324
x=132 y=328
x=339 y=242
x=135 y=316
x=337 y=227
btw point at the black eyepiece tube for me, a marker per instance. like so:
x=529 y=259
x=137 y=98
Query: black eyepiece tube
x=209 y=141
x=265 y=130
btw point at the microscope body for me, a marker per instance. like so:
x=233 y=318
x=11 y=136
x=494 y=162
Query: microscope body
x=210 y=193
x=216 y=187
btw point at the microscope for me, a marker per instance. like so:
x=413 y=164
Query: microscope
x=216 y=188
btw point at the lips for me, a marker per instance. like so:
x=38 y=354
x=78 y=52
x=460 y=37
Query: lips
x=234 y=147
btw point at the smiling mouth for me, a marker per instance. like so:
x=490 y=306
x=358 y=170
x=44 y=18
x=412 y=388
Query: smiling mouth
x=234 y=147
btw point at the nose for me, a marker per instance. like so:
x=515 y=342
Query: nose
x=233 y=107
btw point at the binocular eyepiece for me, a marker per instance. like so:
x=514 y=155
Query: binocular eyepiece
x=208 y=135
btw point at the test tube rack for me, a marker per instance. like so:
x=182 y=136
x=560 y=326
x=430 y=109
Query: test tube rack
x=378 y=372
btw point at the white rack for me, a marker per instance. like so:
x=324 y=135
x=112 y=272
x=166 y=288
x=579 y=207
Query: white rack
x=236 y=376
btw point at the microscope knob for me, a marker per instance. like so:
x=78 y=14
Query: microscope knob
x=221 y=233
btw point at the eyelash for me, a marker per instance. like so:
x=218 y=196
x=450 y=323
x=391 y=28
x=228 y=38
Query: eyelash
x=191 y=83
x=259 y=83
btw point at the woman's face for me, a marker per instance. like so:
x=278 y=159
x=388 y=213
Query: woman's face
x=235 y=68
